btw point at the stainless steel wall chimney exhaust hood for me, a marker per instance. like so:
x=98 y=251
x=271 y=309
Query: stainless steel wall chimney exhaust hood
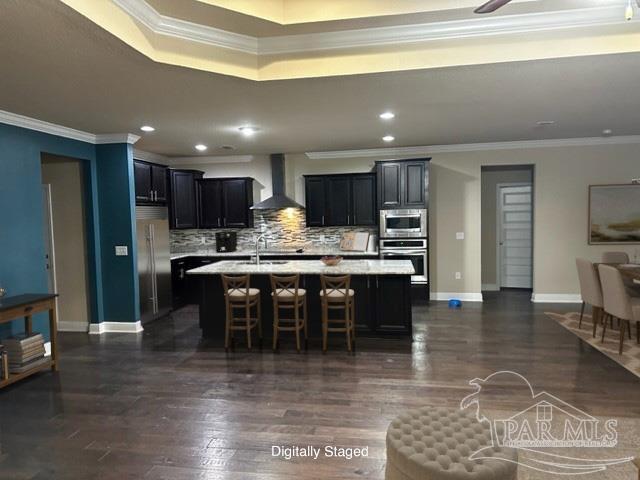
x=278 y=200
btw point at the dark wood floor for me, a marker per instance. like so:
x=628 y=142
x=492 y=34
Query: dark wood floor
x=167 y=405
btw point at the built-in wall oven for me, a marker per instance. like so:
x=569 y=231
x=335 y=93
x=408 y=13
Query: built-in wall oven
x=405 y=223
x=413 y=249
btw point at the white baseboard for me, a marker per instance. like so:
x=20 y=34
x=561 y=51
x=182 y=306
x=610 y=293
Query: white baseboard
x=115 y=327
x=556 y=298
x=465 y=297
x=72 y=327
x=490 y=287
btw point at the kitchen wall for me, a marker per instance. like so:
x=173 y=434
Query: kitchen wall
x=490 y=178
x=561 y=180
x=282 y=229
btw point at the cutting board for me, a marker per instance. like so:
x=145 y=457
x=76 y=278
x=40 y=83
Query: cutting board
x=354 y=241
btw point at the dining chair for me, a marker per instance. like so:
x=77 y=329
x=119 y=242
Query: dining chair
x=287 y=295
x=615 y=257
x=590 y=291
x=239 y=296
x=336 y=294
x=618 y=303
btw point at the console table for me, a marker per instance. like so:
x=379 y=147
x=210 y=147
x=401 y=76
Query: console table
x=24 y=307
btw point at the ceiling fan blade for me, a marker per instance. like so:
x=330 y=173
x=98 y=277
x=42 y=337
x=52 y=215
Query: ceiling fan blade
x=493 y=5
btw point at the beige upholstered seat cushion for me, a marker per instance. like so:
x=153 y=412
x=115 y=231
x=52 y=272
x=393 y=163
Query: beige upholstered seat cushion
x=289 y=293
x=339 y=293
x=236 y=293
x=435 y=443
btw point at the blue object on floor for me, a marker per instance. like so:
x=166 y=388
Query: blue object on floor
x=455 y=303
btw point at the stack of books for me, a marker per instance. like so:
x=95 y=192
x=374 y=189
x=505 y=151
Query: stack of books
x=25 y=352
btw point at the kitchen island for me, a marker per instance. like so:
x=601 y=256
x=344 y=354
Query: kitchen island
x=382 y=293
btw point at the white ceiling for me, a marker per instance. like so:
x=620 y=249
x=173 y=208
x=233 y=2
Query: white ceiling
x=59 y=67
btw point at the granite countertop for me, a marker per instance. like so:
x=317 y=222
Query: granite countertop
x=310 y=267
x=269 y=252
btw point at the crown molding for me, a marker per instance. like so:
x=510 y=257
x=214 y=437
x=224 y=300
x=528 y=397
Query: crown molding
x=201 y=160
x=45 y=127
x=473 y=147
x=116 y=138
x=29 y=123
x=182 y=29
x=369 y=37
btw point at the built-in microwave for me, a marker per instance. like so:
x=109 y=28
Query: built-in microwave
x=406 y=223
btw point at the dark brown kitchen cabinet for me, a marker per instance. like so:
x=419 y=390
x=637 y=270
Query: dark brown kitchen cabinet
x=210 y=201
x=403 y=183
x=150 y=182
x=363 y=200
x=340 y=200
x=392 y=304
x=183 y=209
x=225 y=202
x=315 y=201
x=338 y=205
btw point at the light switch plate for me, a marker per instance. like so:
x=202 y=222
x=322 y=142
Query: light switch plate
x=122 y=250
x=458 y=276
x=459 y=235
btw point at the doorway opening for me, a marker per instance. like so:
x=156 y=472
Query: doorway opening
x=65 y=235
x=507 y=227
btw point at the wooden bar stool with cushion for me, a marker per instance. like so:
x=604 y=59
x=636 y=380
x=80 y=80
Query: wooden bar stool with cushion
x=336 y=295
x=287 y=295
x=590 y=291
x=239 y=296
x=618 y=303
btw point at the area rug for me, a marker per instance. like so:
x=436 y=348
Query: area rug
x=630 y=358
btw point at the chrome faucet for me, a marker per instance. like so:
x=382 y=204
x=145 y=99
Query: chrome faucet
x=258 y=238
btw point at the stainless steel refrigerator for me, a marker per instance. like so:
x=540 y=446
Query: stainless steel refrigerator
x=154 y=262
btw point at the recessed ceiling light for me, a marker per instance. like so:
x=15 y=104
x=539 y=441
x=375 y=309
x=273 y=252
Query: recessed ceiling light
x=147 y=128
x=248 y=131
x=545 y=123
x=200 y=147
x=607 y=132
x=387 y=115
x=388 y=138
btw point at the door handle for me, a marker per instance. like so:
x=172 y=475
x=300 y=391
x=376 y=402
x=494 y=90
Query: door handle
x=322 y=219
x=218 y=221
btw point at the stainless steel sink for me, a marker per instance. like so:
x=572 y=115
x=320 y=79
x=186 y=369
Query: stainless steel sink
x=264 y=262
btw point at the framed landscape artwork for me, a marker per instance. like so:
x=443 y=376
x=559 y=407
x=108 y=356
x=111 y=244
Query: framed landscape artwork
x=614 y=214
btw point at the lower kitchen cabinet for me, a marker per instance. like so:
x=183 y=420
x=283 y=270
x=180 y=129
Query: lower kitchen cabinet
x=179 y=289
x=392 y=305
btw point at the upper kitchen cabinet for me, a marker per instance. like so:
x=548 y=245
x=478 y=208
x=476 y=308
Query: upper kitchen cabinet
x=150 y=183
x=403 y=183
x=315 y=201
x=225 y=202
x=183 y=209
x=340 y=200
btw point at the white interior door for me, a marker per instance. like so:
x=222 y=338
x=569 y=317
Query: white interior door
x=49 y=259
x=515 y=236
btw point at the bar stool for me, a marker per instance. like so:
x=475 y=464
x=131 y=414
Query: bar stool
x=287 y=295
x=336 y=295
x=239 y=296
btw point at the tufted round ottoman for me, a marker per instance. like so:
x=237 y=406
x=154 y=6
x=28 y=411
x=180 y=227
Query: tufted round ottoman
x=435 y=443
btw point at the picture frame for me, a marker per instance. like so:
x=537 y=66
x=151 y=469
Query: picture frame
x=614 y=214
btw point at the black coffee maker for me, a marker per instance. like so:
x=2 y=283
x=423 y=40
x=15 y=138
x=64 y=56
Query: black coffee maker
x=226 y=241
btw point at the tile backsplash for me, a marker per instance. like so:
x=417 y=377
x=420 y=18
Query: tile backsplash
x=282 y=229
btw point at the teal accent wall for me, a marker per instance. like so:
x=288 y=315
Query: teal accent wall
x=110 y=220
x=116 y=192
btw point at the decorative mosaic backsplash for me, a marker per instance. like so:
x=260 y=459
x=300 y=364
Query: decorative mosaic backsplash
x=282 y=229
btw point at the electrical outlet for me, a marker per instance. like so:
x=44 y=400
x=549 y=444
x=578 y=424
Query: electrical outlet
x=122 y=251
x=459 y=235
x=458 y=276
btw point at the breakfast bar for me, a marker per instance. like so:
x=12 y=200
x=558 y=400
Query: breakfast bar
x=382 y=293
